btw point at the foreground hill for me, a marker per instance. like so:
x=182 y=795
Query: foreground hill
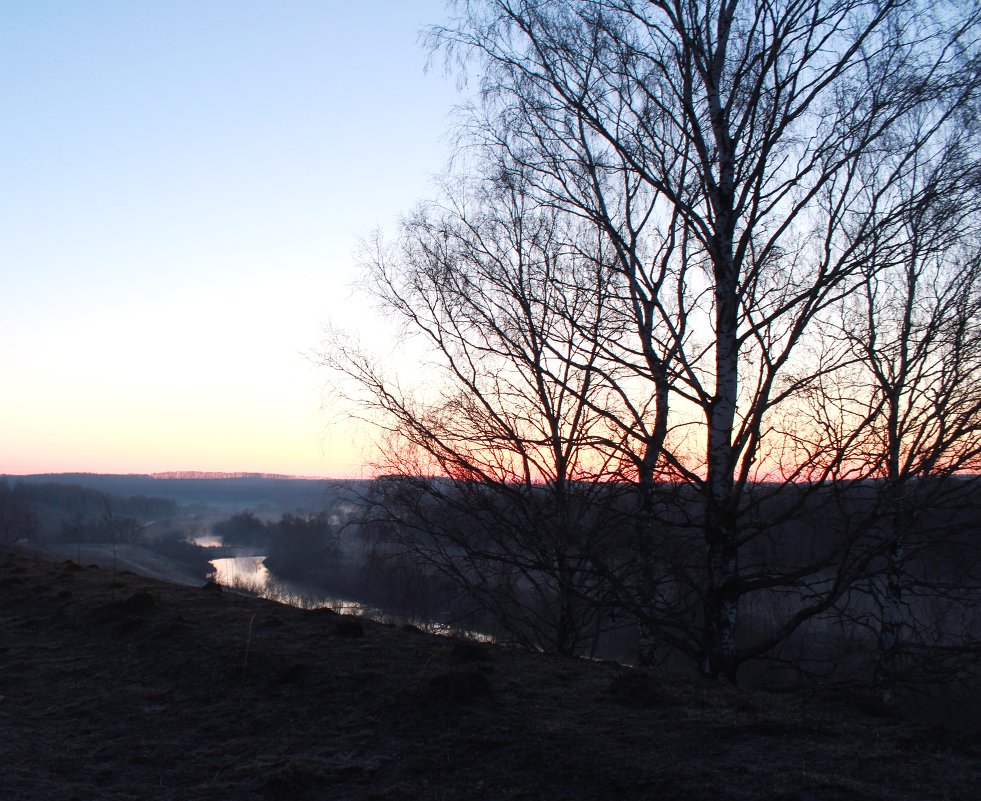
x=122 y=687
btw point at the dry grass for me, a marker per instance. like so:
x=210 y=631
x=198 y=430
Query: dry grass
x=175 y=692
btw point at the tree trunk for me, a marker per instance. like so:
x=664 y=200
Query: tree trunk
x=721 y=604
x=890 y=599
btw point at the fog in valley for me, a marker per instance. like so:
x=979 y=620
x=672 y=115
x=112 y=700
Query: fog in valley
x=297 y=541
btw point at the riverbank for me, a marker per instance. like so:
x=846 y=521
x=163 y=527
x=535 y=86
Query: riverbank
x=117 y=686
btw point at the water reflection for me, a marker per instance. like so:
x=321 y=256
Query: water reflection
x=247 y=573
x=250 y=574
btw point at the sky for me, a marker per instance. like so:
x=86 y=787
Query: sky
x=183 y=188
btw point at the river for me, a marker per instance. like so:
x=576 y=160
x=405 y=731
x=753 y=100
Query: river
x=250 y=574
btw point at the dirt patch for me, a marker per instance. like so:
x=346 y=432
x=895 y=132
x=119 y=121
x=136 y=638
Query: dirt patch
x=157 y=691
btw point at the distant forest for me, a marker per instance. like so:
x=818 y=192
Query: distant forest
x=186 y=488
x=85 y=501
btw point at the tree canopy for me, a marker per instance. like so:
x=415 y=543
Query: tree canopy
x=721 y=255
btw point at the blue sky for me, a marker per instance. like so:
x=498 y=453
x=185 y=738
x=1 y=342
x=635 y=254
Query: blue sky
x=183 y=189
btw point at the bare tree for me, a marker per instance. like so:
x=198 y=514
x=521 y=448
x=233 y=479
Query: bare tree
x=913 y=392
x=505 y=490
x=680 y=199
x=721 y=149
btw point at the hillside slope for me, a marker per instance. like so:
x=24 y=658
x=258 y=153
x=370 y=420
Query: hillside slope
x=122 y=687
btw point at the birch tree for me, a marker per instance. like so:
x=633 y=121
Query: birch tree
x=719 y=147
x=677 y=204
x=913 y=328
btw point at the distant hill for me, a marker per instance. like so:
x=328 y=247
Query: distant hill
x=185 y=474
x=238 y=490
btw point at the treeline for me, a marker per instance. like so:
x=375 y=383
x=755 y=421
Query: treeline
x=85 y=501
x=85 y=514
x=17 y=517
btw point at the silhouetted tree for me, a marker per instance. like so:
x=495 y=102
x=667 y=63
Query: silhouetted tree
x=739 y=170
x=724 y=149
x=906 y=410
x=500 y=286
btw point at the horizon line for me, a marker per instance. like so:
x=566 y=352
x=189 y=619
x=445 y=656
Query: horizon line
x=171 y=475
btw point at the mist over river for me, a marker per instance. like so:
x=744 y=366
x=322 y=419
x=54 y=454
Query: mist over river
x=250 y=574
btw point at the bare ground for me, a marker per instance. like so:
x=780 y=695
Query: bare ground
x=115 y=686
x=124 y=556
